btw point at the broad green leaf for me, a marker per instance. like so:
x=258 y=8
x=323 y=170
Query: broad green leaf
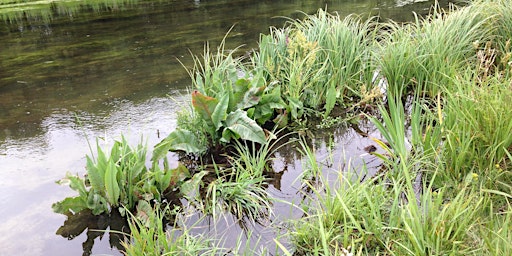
x=295 y=108
x=115 y=152
x=251 y=97
x=178 y=175
x=144 y=211
x=227 y=135
x=237 y=93
x=273 y=99
x=263 y=113
x=190 y=187
x=96 y=203
x=70 y=204
x=220 y=112
x=111 y=185
x=96 y=175
x=75 y=183
x=178 y=140
x=239 y=123
x=281 y=120
x=330 y=100
x=267 y=106
x=204 y=105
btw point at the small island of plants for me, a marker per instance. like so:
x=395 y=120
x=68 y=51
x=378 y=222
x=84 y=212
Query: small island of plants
x=436 y=88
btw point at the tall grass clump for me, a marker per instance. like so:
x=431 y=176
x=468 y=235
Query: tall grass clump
x=318 y=61
x=240 y=189
x=478 y=124
x=431 y=50
x=397 y=213
x=153 y=236
x=500 y=22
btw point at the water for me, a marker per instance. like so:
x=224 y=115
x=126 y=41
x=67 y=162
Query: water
x=91 y=72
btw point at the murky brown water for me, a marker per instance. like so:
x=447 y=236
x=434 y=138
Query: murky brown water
x=117 y=72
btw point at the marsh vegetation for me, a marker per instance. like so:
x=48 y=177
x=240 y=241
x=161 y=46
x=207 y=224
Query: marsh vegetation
x=436 y=89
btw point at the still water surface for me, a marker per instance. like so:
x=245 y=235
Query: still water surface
x=101 y=73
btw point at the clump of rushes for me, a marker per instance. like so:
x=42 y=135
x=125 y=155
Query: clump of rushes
x=478 y=118
x=391 y=214
x=318 y=62
x=240 y=189
x=417 y=54
x=152 y=236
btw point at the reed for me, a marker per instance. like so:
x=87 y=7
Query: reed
x=418 y=54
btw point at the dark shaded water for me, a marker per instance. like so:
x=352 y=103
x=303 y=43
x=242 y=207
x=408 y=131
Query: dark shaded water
x=116 y=70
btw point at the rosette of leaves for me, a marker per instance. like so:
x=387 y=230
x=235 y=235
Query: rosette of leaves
x=120 y=179
x=237 y=111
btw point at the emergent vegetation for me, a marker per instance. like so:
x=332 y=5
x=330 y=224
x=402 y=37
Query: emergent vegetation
x=437 y=89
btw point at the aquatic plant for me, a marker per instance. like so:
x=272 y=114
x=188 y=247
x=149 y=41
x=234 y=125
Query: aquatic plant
x=152 y=236
x=119 y=180
x=397 y=213
x=228 y=103
x=416 y=54
x=319 y=61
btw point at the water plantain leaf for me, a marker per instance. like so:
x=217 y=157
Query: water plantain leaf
x=330 y=100
x=239 y=123
x=144 y=211
x=281 y=120
x=204 y=105
x=267 y=106
x=227 y=135
x=251 y=97
x=177 y=175
x=295 y=108
x=95 y=173
x=178 y=140
x=190 y=187
x=237 y=92
x=96 y=203
x=70 y=205
x=74 y=183
x=111 y=185
x=220 y=112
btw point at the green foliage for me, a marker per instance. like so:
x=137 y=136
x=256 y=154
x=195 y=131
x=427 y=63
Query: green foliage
x=319 y=61
x=150 y=236
x=417 y=55
x=478 y=125
x=119 y=179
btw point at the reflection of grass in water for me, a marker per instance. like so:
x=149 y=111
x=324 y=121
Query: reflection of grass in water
x=17 y=10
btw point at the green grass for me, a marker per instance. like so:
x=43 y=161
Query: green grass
x=318 y=61
x=153 y=236
x=419 y=55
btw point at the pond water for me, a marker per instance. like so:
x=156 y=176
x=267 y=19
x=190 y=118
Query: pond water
x=71 y=74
